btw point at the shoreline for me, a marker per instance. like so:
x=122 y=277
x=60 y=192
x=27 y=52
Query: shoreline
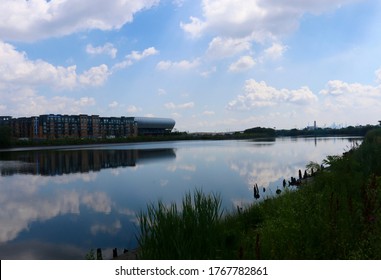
x=87 y=145
x=7 y=141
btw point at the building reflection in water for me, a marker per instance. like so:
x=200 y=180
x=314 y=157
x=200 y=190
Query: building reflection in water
x=59 y=162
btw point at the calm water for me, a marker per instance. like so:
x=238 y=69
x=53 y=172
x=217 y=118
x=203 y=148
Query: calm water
x=60 y=203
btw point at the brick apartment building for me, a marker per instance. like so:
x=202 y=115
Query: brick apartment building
x=84 y=126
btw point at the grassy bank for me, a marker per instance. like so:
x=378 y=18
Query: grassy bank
x=337 y=215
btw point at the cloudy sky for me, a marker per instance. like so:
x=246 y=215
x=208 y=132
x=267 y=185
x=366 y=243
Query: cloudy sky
x=212 y=65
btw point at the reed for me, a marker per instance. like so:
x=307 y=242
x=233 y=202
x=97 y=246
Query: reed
x=192 y=231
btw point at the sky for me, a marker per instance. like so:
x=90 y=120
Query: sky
x=211 y=65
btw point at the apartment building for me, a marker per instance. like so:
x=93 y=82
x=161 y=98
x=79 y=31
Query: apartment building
x=84 y=126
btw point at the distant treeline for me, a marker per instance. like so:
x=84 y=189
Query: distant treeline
x=261 y=131
x=6 y=140
x=347 y=131
x=270 y=132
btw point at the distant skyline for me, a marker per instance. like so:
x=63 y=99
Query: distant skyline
x=212 y=65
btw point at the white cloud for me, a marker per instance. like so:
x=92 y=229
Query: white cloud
x=259 y=94
x=20 y=79
x=260 y=19
x=195 y=27
x=357 y=102
x=224 y=47
x=26 y=102
x=113 y=104
x=238 y=25
x=133 y=109
x=17 y=70
x=208 y=113
x=32 y=20
x=276 y=51
x=207 y=73
x=95 y=76
x=84 y=102
x=107 y=49
x=337 y=88
x=122 y=107
x=231 y=18
x=179 y=65
x=164 y=65
x=174 y=106
x=243 y=64
x=135 y=56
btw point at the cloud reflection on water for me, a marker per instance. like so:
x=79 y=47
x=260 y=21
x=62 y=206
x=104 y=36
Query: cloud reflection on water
x=28 y=199
x=99 y=206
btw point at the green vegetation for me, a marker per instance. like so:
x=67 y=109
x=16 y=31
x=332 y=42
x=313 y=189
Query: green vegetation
x=260 y=132
x=322 y=132
x=337 y=215
x=192 y=233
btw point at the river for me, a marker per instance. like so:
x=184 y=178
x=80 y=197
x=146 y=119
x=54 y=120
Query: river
x=59 y=203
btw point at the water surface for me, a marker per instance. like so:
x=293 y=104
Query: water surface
x=59 y=203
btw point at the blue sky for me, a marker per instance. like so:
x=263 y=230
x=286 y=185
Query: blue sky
x=212 y=65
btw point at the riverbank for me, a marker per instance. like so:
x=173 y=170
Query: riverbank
x=257 y=133
x=56 y=143
x=335 y=216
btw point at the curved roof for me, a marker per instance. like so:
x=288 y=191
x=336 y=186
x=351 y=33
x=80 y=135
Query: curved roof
x=145 y=122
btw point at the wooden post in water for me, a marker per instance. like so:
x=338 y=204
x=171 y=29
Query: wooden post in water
x=99 y=254
x=115 y=253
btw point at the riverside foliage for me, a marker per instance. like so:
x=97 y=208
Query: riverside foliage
x=337 y=215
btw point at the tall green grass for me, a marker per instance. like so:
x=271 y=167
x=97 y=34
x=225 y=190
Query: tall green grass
x=191 y=232
x=337 y=215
